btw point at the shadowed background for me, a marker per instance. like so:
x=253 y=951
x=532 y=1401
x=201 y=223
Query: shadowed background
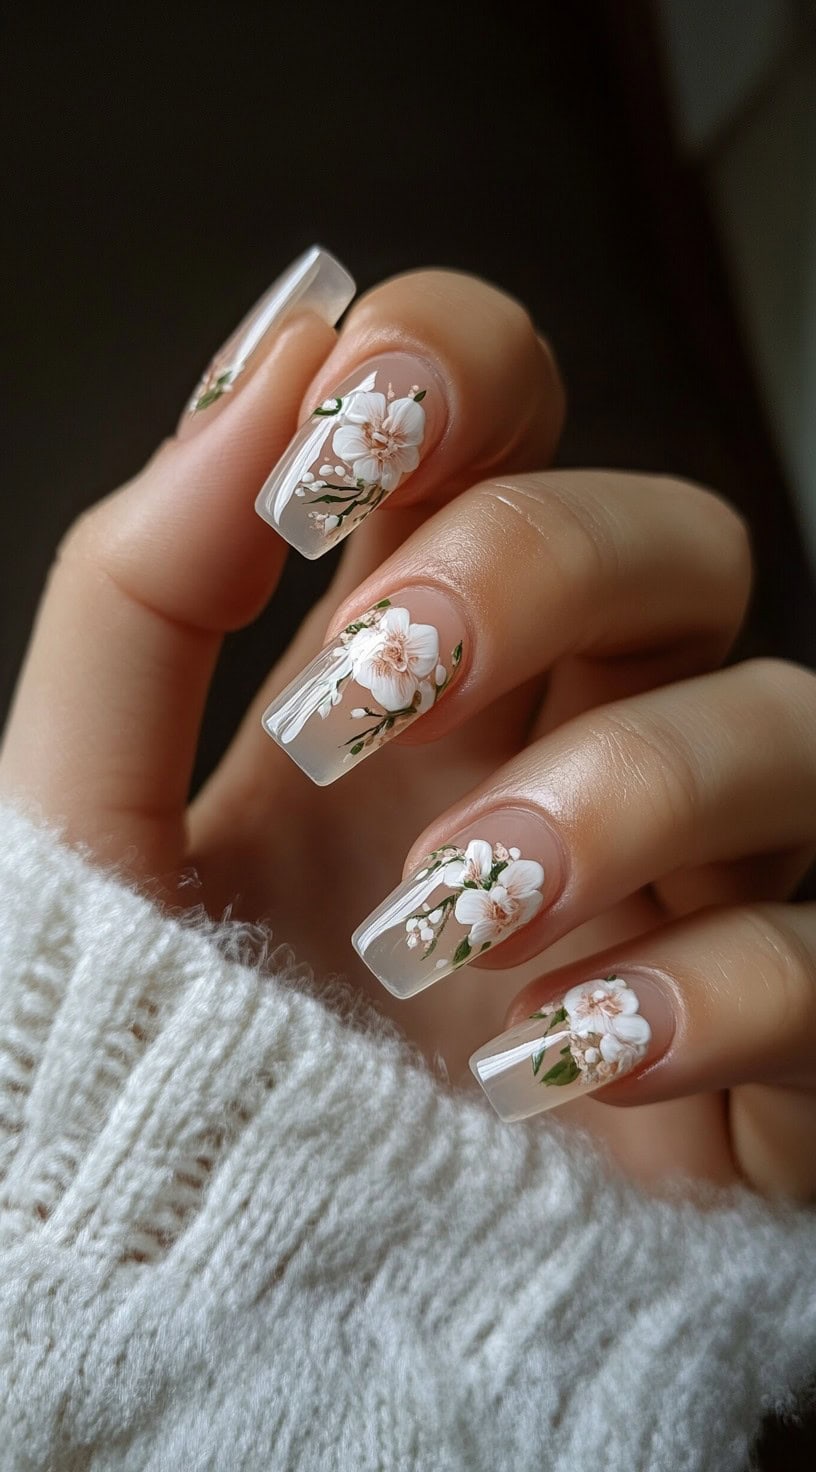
x=160 y=170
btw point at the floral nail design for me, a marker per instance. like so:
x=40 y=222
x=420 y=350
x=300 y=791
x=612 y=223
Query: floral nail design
x=495 y=891
x=606 y=1035
x=356 y=448
x=491 y=891
x=593 y=1034
x=396 y=667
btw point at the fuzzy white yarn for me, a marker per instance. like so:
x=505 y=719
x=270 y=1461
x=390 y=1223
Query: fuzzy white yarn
x=238 y=1232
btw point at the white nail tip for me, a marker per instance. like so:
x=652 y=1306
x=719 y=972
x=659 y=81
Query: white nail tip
x=316 y=282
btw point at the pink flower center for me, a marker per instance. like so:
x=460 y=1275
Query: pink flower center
x=501 y=909
x=392 y=654
x=607 y=1004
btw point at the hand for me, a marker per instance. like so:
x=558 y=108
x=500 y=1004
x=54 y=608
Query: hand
x=664 y=810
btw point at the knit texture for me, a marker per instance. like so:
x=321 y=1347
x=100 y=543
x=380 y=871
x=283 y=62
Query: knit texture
x=237 y=1231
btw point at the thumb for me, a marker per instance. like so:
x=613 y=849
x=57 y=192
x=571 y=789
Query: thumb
x=105 y=721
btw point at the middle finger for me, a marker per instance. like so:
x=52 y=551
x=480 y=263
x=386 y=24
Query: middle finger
x=499 y=586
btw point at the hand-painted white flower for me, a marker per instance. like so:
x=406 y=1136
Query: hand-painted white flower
x=393 y=658
x=474 y=868
x=611 y=1010
x=380 y=440
x=511 y=902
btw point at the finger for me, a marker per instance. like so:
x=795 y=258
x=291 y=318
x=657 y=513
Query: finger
x=722 y=1000
x=586 y=817
x=437 y=378
x=105 y=721
x=600 y=566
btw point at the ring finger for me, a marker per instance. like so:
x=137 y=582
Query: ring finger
x=617 y=799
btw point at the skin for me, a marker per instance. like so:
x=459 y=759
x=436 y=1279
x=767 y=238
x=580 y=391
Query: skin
x=598 y=677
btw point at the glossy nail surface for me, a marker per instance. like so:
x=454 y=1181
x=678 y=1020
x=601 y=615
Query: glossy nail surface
x=315 y=282
x=596 y=1032
x=356 y=447
x=383 y=672
x=467 y=897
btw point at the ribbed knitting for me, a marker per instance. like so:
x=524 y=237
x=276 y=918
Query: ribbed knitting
x=237 y=1231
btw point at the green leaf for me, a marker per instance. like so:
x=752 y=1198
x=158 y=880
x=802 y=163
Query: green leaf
x=462 y=952
x=495 y=872
x=558 y=1017
x=383 y=603
x=420 y=396
x=566 y=1071
x=457 y=653
x=485 y=947
x=538 y=1059
x=357 y=748
x=328 y=413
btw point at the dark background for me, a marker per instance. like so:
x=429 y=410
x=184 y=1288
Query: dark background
x=161 y=168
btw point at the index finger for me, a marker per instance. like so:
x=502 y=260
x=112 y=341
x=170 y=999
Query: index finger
x=437 y=378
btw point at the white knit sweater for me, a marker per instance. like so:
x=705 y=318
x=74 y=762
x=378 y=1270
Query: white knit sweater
x=238 y=1230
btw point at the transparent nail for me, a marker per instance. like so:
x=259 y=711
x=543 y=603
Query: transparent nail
x=315 y=282
x=381 y=673
x=466 y=898
x=596 y=1032
x=355 y=448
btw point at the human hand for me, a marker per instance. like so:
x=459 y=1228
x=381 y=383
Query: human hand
x=664 y=812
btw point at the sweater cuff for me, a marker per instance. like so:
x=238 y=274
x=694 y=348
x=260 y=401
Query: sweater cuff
x=179 y=1130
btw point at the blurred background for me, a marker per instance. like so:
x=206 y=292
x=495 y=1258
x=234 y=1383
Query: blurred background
x=642 y=174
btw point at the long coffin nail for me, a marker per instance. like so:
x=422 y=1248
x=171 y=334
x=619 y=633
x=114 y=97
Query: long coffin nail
x=379 y=675
x=596 y=1032
x=315 y=282
x=466 y=898
x=353 y=451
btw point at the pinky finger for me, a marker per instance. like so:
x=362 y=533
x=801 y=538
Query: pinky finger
x=724 y=1000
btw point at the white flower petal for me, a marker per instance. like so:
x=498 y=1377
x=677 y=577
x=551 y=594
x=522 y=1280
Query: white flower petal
x=367 y=468
x=529 y=906
x=405 y=459
x=406 y=419
x=361 y=408
x=349 y=443
x=575 y=999
x=396 y=620
x=522 y=876
x=615 y=1050
x=471 y=906
x=480 y=854
x=627 y=1000
x=388 y=475
x=483 y=930
x=632 y=1029
x=454 y=874
x=422 y=648
x=394 y=690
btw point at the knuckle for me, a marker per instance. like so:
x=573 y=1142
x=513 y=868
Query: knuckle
x=650 y=759
x=784 y=962
x=573 y=539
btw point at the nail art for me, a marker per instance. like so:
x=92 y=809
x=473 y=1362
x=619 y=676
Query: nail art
x=353 y=451
x=386 y=668
x=315 y=282
x=593 y=1034
x=467 y=897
